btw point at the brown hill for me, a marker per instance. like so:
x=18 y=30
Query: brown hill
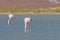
x=27 y=4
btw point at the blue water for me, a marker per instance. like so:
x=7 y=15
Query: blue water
x=42 y=27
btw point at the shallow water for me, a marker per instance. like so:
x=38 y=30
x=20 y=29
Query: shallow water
x=42 y=27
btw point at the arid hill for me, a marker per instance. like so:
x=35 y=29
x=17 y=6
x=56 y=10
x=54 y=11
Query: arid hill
x=27 y=4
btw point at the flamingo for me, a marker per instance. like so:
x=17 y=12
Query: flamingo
x=10 y=17
x=27 y=20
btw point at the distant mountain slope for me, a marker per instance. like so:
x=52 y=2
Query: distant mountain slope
x=27 y=4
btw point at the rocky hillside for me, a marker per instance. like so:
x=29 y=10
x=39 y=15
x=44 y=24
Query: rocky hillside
x=28 y=4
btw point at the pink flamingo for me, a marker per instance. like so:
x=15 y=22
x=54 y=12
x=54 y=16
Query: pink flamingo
x=27 y=20
x=10 y=17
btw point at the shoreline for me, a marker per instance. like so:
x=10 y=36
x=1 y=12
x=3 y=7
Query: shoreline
x=52 y=13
